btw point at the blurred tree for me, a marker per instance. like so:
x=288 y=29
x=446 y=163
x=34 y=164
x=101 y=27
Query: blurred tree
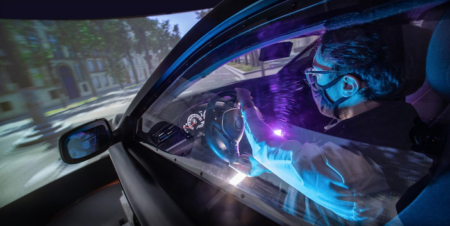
x=82 y=37
x=164 y=39
x=24 y=50
x=142 y=28
x=118 y=42
x=33 y=52
x=117 y=70
x=22 y=55
x=40 y=55
x=202 y=13
x=152 y=35
x=12 y=51
x=254 y=58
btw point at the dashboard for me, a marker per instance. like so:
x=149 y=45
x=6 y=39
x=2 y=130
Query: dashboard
x=180 y=125
x=192 y=121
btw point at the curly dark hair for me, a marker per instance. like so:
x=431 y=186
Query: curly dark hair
x=373 y=52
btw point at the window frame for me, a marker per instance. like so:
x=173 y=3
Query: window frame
x=97 y=82
x=100 y=65
x=91 y=65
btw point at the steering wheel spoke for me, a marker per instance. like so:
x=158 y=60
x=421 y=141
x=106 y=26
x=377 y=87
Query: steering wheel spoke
x=217 y=125
x=224 y=126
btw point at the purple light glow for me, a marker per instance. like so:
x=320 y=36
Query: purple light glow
x=278 y=132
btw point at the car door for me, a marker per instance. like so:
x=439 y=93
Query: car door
x=163 y=113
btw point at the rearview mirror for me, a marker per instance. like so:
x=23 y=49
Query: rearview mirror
x=276 y=51
x=85 y=141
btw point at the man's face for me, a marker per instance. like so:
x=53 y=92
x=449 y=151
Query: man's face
x=320 y=64
x=335 y=93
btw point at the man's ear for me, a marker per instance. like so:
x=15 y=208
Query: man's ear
x=351 y=85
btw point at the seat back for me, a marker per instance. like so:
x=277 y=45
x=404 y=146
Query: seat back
x=429 y=205
x=422 y=52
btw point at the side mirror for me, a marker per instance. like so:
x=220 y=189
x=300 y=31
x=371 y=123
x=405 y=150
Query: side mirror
x=276 y=51
x=85 y=141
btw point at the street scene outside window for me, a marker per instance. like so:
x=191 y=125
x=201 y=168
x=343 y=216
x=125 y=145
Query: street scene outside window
x=56 y=75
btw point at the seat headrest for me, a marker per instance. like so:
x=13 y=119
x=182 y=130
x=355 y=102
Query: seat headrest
x=438 y=58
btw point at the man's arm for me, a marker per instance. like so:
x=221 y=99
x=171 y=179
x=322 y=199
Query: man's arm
x=330 y=175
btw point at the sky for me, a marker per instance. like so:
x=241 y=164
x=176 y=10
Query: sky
x=185 y=21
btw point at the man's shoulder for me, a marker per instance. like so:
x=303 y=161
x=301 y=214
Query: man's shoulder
x=387 y=125
x=388 y=112
x=400 y=112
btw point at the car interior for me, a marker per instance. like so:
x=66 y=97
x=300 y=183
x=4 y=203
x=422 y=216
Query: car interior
x=172 y=168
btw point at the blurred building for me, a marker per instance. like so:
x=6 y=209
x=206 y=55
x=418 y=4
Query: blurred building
x=61 y=81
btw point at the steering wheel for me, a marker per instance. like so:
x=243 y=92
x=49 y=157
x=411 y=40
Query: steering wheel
x=224 y=126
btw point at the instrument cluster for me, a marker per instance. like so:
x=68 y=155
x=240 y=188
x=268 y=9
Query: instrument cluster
x=193 y=122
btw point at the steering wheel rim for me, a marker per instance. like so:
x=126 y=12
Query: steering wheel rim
x=224 y=128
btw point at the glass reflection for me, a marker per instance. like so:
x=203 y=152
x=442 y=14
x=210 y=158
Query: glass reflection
x=85 y=143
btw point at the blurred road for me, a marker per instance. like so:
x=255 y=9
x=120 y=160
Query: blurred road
x=26 y=169
x=218 y=78
x=224 y=76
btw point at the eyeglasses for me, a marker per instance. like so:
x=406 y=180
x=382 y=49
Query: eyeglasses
x=311 y=75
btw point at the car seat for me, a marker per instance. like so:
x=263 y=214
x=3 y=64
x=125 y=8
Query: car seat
x=431 y=100
x=427 y=201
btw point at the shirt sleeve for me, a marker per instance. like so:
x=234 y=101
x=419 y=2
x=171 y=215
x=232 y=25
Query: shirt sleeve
x=338 y=179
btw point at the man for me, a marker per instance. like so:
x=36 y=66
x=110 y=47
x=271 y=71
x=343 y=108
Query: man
x=365 y=66
x=356 y=80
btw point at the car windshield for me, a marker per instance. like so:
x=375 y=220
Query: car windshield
x=56 y=75
x=335 y=145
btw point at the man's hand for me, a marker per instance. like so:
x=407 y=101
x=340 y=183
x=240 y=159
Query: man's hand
x=243 y=94
x=248 y=165
x=257 y=168
x=244 y=98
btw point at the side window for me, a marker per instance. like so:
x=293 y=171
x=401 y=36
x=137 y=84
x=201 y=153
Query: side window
x=179 y=124
x=105 y=80
x=97 y=82
x=100 y=64
x=287 y=126
x=91 y=65
x=249 y=67
x=78 y=72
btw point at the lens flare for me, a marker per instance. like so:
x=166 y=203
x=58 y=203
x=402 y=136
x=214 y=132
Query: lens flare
x=237 y=179
x=278 y=132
